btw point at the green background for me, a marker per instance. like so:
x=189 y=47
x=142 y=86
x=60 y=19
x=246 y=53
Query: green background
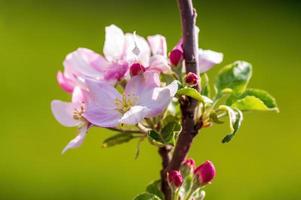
x=262 y=162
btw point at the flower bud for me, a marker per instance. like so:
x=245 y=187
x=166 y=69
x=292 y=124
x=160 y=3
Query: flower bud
x=136 y=69
x=205 y=173
x=64 y=82
x=189 y=163
x=175 y=178
x=192 y=79
x=188 y=167
x=176 y=56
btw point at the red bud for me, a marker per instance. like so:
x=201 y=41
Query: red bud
x=136 y=69
x=205 y=172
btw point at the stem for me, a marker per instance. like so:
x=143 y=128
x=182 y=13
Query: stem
x=188 y=105
x=124 y=131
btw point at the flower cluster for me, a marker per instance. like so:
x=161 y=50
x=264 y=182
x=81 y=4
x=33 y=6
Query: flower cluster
x=138 y=89
x=122 y=86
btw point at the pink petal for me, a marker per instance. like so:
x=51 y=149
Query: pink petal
x=142 y=83
x=63 y=112
x=161 y=97
x=208 y=58
x=158 y=45
x=158 y=64
x=102 y=117
x=79 y=95
x=114 y=43
x=65 y=83
x=115 y=71
x=78 y=140
x=102 y=94
x=85 y=63
x=137 y=49
x=101 y=109
x=135 y=115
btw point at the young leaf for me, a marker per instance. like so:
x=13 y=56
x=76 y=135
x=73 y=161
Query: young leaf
x=254 y=100
x=191 y=92
x=147 y=196
x=117 y=139
x=169 y=132
x=155 y=138
x=235 y=119
x=235 y=76
x=155 y=188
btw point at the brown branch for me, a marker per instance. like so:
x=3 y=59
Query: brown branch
x=188 y=105
x=165 y=155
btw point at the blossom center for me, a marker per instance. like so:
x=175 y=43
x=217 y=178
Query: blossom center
x=78 y=113
x=125 y=103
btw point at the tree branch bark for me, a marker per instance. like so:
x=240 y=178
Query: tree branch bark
x=188 y=105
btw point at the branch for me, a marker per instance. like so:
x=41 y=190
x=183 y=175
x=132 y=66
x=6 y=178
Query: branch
x=188 y=105
x=165 y=155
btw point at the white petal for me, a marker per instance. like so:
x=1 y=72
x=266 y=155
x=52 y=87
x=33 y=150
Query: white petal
x=136 y=42
x=135 y=115
x=78 y=140
x=158 y=45
x=208 y=58
x=114 y=43
x=63 y=112
x=158 y=64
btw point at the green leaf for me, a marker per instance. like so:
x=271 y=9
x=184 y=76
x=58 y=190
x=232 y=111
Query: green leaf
x=117 y=139
x=170 y=131
x=147 y=196
x=205 y=85
x=155 y=188
x=191 y=92
x=155 y=138
x=254 y=100
x=234 y=77
x=235 y=119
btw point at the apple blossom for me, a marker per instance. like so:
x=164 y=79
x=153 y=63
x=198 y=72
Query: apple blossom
x=70 y=114
x=142 y=98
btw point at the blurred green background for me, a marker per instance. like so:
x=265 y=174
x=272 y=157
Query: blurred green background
x=264 y=160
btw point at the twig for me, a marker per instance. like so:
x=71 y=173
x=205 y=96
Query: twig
x=188 y=105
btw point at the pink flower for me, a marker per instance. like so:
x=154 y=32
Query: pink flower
x=70 y=114
x=175 y=178
x=205 y=173
x=142 y=98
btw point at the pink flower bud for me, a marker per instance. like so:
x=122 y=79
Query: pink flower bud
x=192 y=79
x=205 y=173
x=189 y=163
x=176 y=56
x=136 y=69
x=64 y=82
x=175 y=178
